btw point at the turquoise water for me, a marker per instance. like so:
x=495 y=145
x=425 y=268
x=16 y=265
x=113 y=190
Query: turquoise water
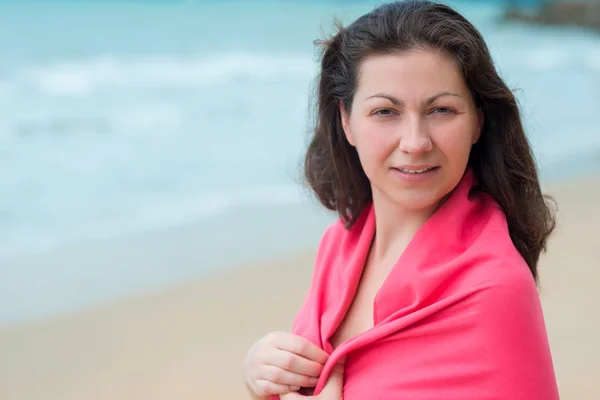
x=122 y=117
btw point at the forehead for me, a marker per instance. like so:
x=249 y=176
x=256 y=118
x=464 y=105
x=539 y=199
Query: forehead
x=410 y=73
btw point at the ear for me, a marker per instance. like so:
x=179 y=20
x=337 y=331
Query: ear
x=345 y=123
x=480 y=121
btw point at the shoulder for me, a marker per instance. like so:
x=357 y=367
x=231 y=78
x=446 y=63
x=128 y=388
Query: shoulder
x=511 y=335
x=339 y=239
x=508 y=284
x=328 y=246
x=340 y=244
x=332 y=234
x=509 y=290
x=497 y=264
x=509 y=313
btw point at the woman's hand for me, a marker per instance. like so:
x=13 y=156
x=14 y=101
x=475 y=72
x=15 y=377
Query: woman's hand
x=333 y=389
x=281 y=363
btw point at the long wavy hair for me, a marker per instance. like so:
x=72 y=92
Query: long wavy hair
x=502 y=159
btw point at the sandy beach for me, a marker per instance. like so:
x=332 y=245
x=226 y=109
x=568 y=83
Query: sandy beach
x=188 y=342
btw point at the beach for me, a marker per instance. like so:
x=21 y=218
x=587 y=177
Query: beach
x=189 y=341
x=153 y=224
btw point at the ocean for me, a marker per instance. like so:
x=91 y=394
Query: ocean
x=128 y=117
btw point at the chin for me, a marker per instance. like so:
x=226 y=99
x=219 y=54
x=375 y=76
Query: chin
x=420 y=200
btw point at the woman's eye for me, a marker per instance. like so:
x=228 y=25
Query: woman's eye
x=442 y=110
x=384 y=112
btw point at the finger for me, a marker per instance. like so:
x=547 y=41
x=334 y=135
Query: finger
x=285 y=377
x=293 y=363
x=267 y=388
x=302 y=347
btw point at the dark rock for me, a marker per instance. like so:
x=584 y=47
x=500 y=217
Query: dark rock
x=584 y=14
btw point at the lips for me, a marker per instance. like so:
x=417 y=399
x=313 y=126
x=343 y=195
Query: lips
x=416 y=169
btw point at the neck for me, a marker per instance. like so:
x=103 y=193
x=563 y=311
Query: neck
x=395 y=226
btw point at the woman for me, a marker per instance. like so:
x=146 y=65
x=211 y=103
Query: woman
x=426 y=286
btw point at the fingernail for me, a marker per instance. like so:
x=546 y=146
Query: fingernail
x=295 y=388
x=313 y=381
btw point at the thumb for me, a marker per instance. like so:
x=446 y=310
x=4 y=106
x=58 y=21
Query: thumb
x=333 y=389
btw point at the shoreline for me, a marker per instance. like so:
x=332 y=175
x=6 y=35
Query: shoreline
x=89 y=274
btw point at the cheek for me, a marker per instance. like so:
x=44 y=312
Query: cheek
x=455 y=143
x=374 y=143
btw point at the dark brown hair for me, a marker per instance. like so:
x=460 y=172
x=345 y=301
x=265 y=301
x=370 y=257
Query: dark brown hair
x=502 y=159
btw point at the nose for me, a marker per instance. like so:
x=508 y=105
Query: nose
x=414 y=137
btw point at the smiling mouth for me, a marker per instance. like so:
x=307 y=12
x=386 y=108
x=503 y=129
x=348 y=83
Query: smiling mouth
x=416 y=171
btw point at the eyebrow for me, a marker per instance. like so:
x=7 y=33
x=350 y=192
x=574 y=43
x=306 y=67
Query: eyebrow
x=398 y=102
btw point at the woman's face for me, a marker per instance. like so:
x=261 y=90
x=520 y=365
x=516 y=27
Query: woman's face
x=413 y=122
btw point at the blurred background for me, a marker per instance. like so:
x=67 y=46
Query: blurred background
x=153 y=224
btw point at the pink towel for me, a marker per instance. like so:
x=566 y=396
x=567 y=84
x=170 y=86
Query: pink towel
x=458 y=317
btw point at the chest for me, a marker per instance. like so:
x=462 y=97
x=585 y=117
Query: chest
x=359 y=316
